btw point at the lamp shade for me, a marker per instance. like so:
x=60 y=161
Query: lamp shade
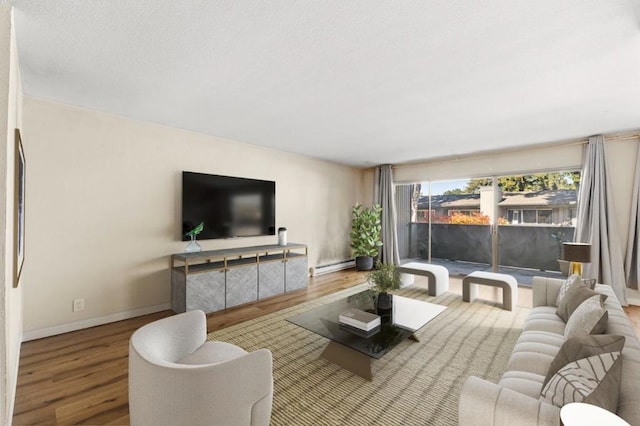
x=576 y=252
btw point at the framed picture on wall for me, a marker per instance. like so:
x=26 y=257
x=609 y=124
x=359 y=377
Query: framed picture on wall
x=19 y=219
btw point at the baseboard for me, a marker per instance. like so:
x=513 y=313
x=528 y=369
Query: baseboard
x=92 y=322
x=332 y=267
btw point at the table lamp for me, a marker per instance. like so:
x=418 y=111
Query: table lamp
x=577 y=254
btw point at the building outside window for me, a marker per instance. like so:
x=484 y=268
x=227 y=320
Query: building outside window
x=545 y=216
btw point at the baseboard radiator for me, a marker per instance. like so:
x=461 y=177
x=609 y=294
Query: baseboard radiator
x=332 y=267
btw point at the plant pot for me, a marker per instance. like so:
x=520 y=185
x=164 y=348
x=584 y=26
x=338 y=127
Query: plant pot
x=384 y=304
x=364 y=263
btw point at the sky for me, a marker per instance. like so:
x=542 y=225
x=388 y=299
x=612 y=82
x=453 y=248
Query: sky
x=437 y=188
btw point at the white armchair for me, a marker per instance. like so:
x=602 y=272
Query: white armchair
x=177 y=377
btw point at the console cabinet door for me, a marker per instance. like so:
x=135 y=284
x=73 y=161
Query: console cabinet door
x=205 y=291
x=270 y=279
x=296 y=273
x=242 y=284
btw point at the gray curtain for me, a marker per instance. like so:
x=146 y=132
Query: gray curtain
x=383 y=194
x=596 y=222
x=632 y=263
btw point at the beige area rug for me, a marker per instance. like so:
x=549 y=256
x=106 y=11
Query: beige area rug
x=417 y=383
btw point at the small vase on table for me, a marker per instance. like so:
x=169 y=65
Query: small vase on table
x=193 y=246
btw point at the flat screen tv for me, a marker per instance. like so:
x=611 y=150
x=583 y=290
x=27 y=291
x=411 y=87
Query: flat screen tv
x=229 y=206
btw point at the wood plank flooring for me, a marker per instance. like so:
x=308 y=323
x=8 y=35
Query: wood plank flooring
x=81 y=377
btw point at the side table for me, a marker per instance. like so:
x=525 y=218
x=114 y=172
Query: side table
x=581 y=414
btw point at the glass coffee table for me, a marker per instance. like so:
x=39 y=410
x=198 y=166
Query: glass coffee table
x=355 y=350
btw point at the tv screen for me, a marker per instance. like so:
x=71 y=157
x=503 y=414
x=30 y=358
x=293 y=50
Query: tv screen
x=228 y=206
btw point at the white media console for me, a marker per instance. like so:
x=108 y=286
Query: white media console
x=219 y=279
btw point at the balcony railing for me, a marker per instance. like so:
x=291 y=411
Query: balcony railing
x=521 y=246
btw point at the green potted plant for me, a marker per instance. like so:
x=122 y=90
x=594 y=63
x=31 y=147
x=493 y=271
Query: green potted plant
x=193 y=246
x=384 y=278
x=365 y=235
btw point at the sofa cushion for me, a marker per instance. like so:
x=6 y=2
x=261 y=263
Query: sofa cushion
x=526 y=383
x=534 y=351
x=572 y=280
x=576 y=348
x=588 y=318
x=594 y=380
x=544 y=318
x=574 y=297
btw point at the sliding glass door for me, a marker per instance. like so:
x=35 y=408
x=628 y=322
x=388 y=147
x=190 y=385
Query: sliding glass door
x=512 y=224
x=539 y=213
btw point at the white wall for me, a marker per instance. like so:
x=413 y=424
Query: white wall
x=11 y=298
x=103 y=209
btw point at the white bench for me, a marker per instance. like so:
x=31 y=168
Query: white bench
x=507 y=283
x=437 y=276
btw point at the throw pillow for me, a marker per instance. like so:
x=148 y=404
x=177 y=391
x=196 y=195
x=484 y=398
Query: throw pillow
x=594 y=380
x=572 y=299
x=568 y=283
x=588 y=318
x=575 y=348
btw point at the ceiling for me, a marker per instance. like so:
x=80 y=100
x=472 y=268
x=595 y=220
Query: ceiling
x=357 y=82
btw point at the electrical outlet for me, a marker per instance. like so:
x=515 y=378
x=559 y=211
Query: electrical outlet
x=78 y=305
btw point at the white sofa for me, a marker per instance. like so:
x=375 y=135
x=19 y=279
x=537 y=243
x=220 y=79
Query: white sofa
x=176 y=377
x=514 y=400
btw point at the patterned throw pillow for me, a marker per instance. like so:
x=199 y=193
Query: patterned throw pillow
x=594 y=380
x=568 y=283
x=588 y=318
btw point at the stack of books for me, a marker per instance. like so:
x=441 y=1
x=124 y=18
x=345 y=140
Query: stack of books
x=359 y=319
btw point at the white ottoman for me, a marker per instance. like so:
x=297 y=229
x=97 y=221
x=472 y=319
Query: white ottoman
x=507 y=283
x=437 y=276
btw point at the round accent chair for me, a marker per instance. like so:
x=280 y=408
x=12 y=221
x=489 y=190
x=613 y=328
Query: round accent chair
x=177 y=377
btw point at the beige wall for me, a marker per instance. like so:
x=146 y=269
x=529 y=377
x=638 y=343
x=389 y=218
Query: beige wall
x=11 y=306
x=368 y=184
x=103 y=209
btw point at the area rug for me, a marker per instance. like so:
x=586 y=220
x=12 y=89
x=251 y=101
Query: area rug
x=417 y=383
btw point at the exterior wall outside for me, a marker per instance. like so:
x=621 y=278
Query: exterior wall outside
x=488 y=200
x=559 y=215
x=104 y=208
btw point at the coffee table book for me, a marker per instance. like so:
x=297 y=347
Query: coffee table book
x=360 y=333
x=359 y=319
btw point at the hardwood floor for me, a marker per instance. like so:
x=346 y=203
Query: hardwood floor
x=81 y=377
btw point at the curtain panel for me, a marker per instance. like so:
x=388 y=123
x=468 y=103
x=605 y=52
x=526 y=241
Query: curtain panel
x=596 y=222
x=632 y=263
x=384 y=194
